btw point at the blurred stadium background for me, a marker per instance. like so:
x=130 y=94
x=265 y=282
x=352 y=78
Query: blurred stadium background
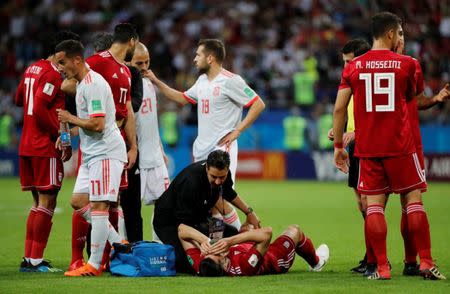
x=288 y=51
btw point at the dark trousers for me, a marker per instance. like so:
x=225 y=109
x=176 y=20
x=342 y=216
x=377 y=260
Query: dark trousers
x=169 y=235
x=130 y=200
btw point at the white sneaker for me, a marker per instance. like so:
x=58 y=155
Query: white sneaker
x=323 y=252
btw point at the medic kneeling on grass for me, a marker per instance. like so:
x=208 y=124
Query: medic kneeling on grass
x=250 y=253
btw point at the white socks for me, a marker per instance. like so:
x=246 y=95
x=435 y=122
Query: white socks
x=99 y=234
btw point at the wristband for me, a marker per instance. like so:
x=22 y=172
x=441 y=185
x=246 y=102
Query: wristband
x=249 y=210
x=338 y=145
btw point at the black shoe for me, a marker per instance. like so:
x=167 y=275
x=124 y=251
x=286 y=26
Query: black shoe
x=411 y=269
x=361 y=268
x=432 y=274
x=44 y=267
x=371 y=269
x=25 y=266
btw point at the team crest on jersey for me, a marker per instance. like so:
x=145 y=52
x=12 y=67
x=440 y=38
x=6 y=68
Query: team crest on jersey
x=216 y=91
x=115 y=76
x=253 y=260
x=112 y=192
x=361 y=184
x=286 y=244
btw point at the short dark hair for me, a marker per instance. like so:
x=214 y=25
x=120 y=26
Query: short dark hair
x=72 y=48
x=356 y=46
x=218 y=159
x=383 y=22
x=102 y=41
x=50 y=41
x=209 y=268
x=214 y=47
x=124 y=32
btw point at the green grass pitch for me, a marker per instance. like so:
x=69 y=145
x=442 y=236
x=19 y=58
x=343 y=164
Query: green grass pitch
x=325 y=211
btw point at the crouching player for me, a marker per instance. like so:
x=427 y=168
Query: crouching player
x=250 y=253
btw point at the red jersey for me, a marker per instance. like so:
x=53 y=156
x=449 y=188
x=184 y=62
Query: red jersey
x=382 y=82
x=117 y=75
x=413 y=112
x=39 y=92
x=245 y=260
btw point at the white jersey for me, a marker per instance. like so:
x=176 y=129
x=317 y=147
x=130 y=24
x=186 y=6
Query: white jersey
x=220 y=103
x=94 y=98
x=150 y=153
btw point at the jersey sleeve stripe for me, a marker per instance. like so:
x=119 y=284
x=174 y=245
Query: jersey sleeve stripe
x=252 y=101
x=97 y=115
x=189 y=99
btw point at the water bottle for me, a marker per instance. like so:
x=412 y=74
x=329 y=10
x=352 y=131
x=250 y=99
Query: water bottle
x=64 y=134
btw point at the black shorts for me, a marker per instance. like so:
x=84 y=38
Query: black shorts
x=353 y=171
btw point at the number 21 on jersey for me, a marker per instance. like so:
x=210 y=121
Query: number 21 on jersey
x=376 y=88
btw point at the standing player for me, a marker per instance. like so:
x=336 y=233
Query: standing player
x=220 y=96
x=381 y=83
x=110 y=65
x=104 y=153
x=152 y=160
x=420 y=102
x=352 y=49
x=41 y=167
x=250 y=253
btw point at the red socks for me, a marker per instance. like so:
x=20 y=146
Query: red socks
x=410 y=249
x=80 y=228
x=42 y=224
x=306 y=250
x=419 y=232
x=29 y=232
x=376 y=231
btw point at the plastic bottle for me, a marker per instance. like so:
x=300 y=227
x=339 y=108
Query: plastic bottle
x=64 y=134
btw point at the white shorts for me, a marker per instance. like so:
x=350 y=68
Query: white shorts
x=232 y=150
x=154 y=181
x=101 y=179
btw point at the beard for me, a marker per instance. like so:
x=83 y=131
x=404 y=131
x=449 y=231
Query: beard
x=203 y=70
x=129 y=55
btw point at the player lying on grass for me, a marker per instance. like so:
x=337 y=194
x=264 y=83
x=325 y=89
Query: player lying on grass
x=250 y=253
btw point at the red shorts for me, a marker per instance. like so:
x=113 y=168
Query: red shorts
x=279 y=257
x=40 y=173
x=399 y=174
x=124 y=180
x=419 y=151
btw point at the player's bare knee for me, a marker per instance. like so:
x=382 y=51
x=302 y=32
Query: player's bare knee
x=293 y=232
x=100 y=205
x=47 y=200
x=412 y=197
x=79 y=201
